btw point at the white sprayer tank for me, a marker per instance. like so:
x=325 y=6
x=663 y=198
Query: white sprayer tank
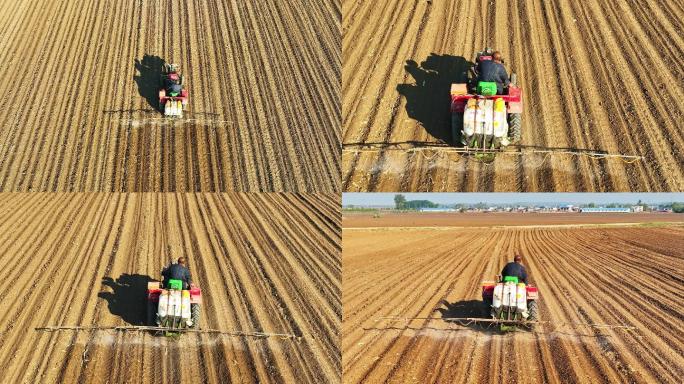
x=176 y=305
x=497 y=297
x=500 y=119
x=169 y=304
x=185 y=307
x=487 y=122
x=508 y=295
x=521 y=299
x=469 y=117
x=163 y=304
x=174 y=308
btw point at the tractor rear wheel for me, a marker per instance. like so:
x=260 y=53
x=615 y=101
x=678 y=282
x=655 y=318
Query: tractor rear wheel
x=195 y=313
x=456 y=128
x=533 y=311
x=515 y=127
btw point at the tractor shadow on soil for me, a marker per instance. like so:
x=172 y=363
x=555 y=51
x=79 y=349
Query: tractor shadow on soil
x=128 y=297
x=428 y=101
x=148 y=76
x=467 y=309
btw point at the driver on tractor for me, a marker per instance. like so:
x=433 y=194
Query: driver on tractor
x=173 y=85
x=178 y=271
x=515 y=269
x=493 y=71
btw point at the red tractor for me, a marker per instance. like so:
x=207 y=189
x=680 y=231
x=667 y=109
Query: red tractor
x=510 y=301
x=173 y=97
x=481 y=118
x=173 y=307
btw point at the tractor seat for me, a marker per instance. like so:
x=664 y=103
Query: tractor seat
x=486 y=88
x=513 y=279
x=175 y=284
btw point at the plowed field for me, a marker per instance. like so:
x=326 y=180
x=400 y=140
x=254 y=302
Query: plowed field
x=265 y=262
x=598 y=75
x=631 y=276
x=430 y=219
x=79 y=95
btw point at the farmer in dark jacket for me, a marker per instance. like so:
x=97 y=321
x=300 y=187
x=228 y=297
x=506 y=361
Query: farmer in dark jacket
x=516 y=269
x=177 y=271
x=494 y=71
x=173 y=85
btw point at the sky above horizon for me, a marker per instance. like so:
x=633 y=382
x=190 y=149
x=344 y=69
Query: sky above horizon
x=504 y=198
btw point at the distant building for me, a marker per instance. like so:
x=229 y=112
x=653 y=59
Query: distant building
x=606 y=210
x=637 y=208
x=437 y=210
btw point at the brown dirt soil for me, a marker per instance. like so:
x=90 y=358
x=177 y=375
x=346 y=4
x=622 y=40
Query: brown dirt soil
x=80 y=80
x=265 y=262
x=596 y=75
x=630 y=275
x=435 y=219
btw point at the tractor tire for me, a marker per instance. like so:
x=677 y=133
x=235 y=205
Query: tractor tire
x=456 y=128
x=195 y=313
x=151 y=314
x=515 y=127
x=533 y=310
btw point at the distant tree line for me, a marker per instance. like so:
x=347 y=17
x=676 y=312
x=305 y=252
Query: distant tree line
x=678 y=207
x=357 y=208
x=401 y=203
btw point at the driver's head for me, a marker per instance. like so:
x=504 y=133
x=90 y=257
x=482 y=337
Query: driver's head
x=496 y=56
x=182 y=261
x=517 y=258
